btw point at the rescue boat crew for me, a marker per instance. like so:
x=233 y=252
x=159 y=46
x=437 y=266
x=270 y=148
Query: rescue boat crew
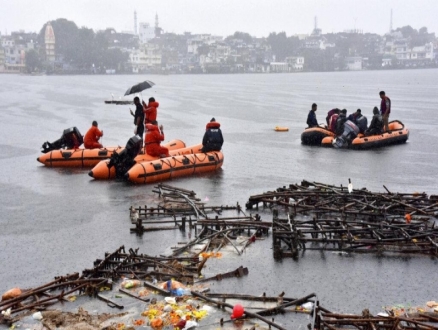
x=91 y=139
x=385 y=109
x=150 y=111
x=154 y=136
x=213 y=139
x=311 y=117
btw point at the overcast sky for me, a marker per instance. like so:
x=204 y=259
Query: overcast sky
x=223 y=17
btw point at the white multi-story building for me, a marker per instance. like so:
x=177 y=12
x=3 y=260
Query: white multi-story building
x=296 y=63
x=146 y=57
x=353 y=63
x=145 y=32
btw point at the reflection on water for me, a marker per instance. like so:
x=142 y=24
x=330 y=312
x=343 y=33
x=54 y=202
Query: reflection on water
x=58 y=221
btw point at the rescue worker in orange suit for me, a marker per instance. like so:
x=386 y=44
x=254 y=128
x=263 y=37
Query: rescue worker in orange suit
x=154 y=136
x=91 y=139
x=150 y=111
x=213 y=138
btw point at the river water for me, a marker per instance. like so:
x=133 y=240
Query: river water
x=58 y=221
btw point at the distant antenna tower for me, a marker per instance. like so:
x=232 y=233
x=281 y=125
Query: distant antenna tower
x=135 y=22
x=390 y=23
x=156 y=21
x=316 y=22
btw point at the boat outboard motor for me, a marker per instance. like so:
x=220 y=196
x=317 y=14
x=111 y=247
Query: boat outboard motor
x=124 y=160
x=350 y=132
x=71 y=138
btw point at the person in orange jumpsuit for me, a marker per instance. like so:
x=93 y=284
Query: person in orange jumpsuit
x=150 y=111
x=91 y=139
x=154 y=136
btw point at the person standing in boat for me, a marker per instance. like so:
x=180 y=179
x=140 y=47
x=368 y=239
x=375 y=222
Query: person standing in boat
x=150 y=111
x=138 y=118
x=213 y=139
x=332 y=112
x=311 y=117
x=91 y=139
x=376 y=125
x=340 y=121
x=385 y=109
x=154 y=136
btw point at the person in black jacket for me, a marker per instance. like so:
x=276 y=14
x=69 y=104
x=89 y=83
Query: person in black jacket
x=213 y=138
x=376 y=126
x=311 y=117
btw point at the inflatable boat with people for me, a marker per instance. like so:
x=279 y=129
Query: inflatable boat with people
x=314 y=135
x=65 y=152
x=352 y=139
x=116 y=168
x=175 y=166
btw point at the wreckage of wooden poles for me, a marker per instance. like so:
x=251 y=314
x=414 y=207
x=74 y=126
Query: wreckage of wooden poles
x=282 y=303
x=337 y=201
x=326 y=320
x=48 y=294
x=180 y=208
x=352 y=236
x=176 y=202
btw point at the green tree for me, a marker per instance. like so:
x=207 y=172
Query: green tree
x=283 y=46
x=33 y=61
x=245 y=37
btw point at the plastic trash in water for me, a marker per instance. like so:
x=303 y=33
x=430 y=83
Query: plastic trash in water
x=308 y=305
x=129 y=284
x=170 y=300
x=181 y=292
x=37 y=316
x=7 y=312
x=238 y=311
x=189 y=325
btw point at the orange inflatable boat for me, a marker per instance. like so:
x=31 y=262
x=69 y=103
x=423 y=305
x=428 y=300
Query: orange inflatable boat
x=76 y=157
x=87 y=157
x=102 y=172
x=398 y=134
x=314 y=135
x=176 y=166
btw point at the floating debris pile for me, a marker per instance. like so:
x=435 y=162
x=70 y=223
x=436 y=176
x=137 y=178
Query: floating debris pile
x=336 y=201
x=325 y=217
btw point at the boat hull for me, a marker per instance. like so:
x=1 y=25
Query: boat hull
x=315 y=135
x=398 y=134
x=76 y=157
x=176 y=166
x=102 y=172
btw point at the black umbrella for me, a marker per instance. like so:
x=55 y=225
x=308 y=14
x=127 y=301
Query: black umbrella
x=139 y=87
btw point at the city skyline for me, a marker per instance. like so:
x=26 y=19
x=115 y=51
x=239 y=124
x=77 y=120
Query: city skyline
x=258 y=18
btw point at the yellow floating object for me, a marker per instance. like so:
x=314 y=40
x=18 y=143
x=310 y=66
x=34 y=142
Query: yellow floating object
x=281 y=129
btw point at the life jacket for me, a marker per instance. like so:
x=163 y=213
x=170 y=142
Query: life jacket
x=92 y=135
x=153 y=139
x=213 y=138
x=151 y=112
x=332 y=122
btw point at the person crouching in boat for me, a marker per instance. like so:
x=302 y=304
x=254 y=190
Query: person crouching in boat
x=340 y=121
x=332 y=112
x=376 y=125
x=360 y=121
x=213 y=139
x=91 y=139
x=311 y=117
x=154 y=136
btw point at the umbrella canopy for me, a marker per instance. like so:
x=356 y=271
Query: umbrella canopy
x=139 y=87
